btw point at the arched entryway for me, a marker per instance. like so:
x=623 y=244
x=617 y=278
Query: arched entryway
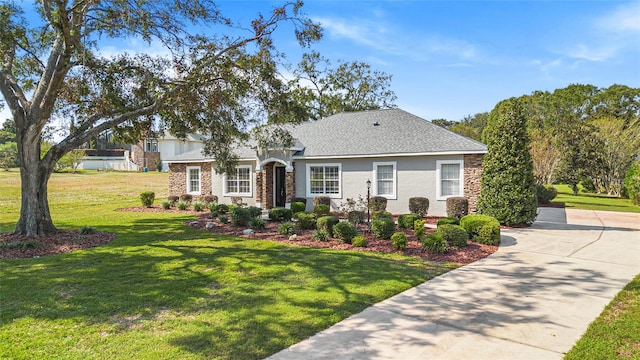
x=275 y=184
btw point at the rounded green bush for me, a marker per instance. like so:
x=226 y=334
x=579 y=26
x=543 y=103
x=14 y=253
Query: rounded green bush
x=322 y=209
x=419 y=205
x=297 y=207
x=198 y=206
x=406 y=221
x=280 y=214
x=454 y=235
x=326 y=223
x=449 y=220
x=182 y=205
x=325 y=200
x=240 y=216
x=474 y=223
x=435 y=243
x=381 y=215
x=359 y=241
x=166 y=205
x=306 y=220
x=545 y=193
x=383 y=228
x=223 y=208
x=258 y=223
x=254 y=211
x=399 y=241
x=344 y=231
x=147 y=198
x=418 y=228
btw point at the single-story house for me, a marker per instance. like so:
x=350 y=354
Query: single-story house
x=401 y=154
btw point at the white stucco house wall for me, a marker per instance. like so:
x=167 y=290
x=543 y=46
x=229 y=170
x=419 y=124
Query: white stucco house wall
x=401 y=154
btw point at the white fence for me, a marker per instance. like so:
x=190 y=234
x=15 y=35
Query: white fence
x=119 y=163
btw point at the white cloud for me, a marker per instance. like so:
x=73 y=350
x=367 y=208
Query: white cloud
x=626 y=18
x=378 y=36
x=594 y=53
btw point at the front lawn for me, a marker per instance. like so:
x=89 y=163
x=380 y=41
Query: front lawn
x=615 y=334
x=162 y=290
x=588 y=201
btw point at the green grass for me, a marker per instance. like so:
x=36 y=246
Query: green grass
x=593 y=201
x=162 y=290
x=615 y=334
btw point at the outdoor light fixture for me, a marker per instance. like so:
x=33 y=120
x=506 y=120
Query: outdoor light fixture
x=368 y=205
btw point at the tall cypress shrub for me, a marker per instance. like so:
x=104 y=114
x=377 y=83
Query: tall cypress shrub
x=508 y=191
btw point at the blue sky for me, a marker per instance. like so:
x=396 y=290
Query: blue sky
x=450 y=59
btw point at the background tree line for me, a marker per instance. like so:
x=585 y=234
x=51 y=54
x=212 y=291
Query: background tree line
x=579 y=134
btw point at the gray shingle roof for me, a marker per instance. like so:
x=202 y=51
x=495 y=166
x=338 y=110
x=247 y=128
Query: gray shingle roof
x=371 y=133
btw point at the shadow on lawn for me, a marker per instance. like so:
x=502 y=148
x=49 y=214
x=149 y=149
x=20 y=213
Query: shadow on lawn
x=244 y=298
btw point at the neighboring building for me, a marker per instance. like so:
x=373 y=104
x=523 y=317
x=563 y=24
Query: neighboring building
x=148 y=153
x=403 y=155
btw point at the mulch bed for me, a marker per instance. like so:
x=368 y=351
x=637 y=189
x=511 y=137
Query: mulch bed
x=63 y=241
x=466 y=255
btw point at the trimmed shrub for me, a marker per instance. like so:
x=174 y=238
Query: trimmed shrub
x=280 y=214
x=482 y=228
x=240 y=216
x=457 y=207
x=383 y=228
x=166 y=205
x=419 y=205
x=399 y=241
x=255 y=211
x=454 y=235
x=182 y=205
x=434 y=243
x=418 y=228
x=223 y=219
x=381 y=215
x=258 y=223
x=359 y=241
x=147 y=198
x=173 y=199
x=299 y=199
x=320 y=235
x=545 y=193
x=632 y=183
x=208 y=199
x=406 y=221
x=344 y=231
x=286 y=229
x=356 y=217
x=297 y=207
x=326 y=223
x=198 y=206
x=322 y=209
x=324 y=200
x=306 y=220
x=507 y=188
x=186 y=198
x=378 y=203
x=223 y=208
x=449 y=220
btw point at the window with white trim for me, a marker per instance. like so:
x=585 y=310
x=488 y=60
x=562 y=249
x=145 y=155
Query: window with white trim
x=384 y=175
x=193 y=180
x=324 y=180
x=449 y=175
x=151 y=145
x=238 y=182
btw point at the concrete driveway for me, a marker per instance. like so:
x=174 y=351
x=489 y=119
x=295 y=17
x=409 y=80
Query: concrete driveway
x=532 y=299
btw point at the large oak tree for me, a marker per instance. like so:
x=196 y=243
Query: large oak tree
x=218 y=78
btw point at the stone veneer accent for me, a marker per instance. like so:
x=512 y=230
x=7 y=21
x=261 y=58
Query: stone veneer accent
x=264 y=186
x=144 y=159
x=472 y=177
x=178 y=179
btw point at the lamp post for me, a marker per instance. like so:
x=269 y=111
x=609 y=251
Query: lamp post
x=368 y=205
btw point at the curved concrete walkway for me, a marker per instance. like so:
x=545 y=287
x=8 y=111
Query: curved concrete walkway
x=532 y=299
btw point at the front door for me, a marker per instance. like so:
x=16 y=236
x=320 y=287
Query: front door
x=279 y=186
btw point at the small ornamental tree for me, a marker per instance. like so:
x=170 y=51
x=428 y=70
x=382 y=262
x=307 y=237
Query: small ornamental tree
x=508 y=191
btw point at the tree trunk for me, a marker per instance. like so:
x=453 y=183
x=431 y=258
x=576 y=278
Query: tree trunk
x=35 y=218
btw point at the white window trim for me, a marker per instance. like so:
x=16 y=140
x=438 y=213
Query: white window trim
x=439 y=164
x=393 y=195
x=241 y=194
x=189 y=190
x=308 y=179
